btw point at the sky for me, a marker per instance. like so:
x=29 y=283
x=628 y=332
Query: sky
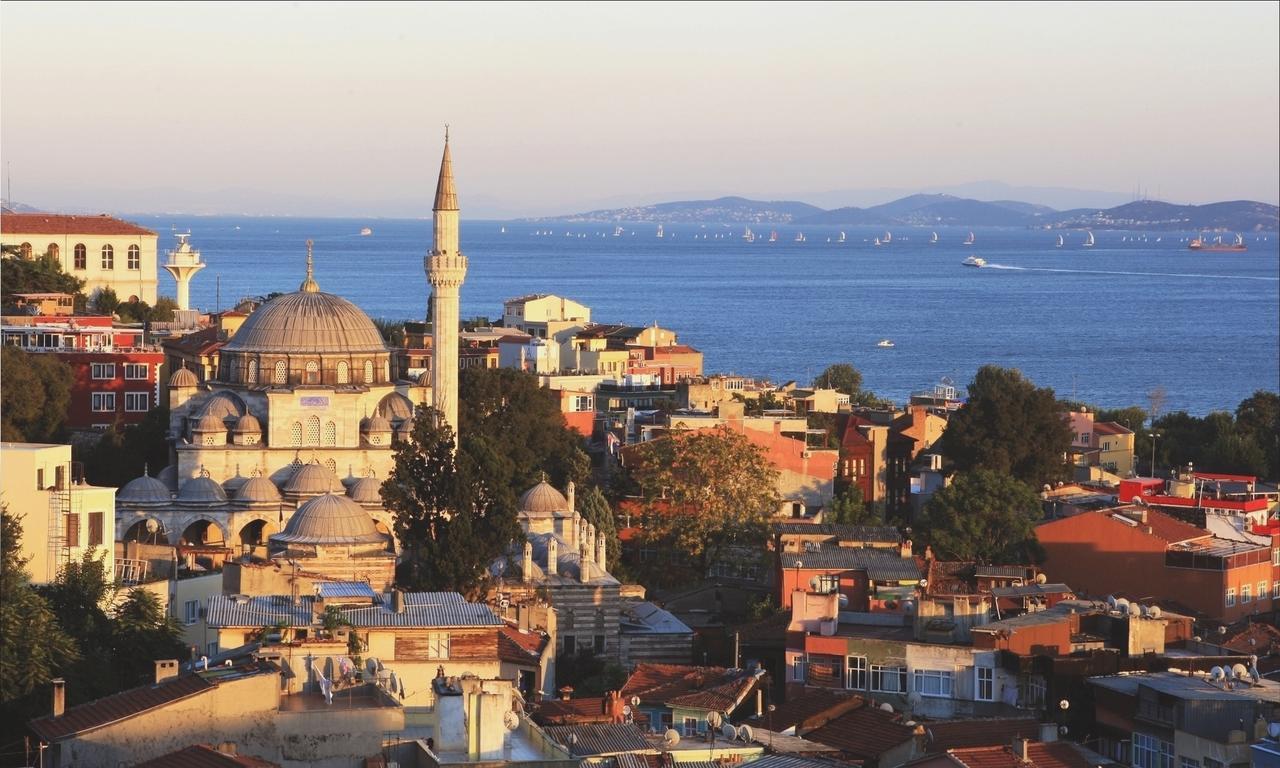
x=332 y=109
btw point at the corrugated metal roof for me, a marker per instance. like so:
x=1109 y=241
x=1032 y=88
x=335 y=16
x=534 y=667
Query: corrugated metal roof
x=451 y=614
x=261 y=611
x=880 y=564
x=643 y=618
x=447 y=609
x=881 y=533
x=598 y=738
x=337 y=589
x=1001 y=571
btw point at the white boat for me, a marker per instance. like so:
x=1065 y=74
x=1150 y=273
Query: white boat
x=974 y=261
x=1059 y=241
x=366 y=232
x=888 y=237
x=773 y=236
x=617 y=231
x=799 y=237
x=503 y=231
x=841 y=240
x=885 y=343
x=933 y=239
x=748 y=235
x=969 y=241
x=877 y=241
x=1088 y=243
x=660 y=231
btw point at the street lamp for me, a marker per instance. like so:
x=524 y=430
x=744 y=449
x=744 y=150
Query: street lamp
x=1154 y=436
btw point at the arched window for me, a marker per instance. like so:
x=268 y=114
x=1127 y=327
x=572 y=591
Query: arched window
x=135 y=257
x=25 y=250
x=295 y=434
x=330 y=433
x=313 y=430
x=344 y=372
x=53 y=250
x=368 y=371
x=281 y=373
x=108 y=257
x=253 y=372
x=313 y=372
x=81 y=256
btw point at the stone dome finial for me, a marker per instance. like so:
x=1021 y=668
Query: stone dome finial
x=310 y=285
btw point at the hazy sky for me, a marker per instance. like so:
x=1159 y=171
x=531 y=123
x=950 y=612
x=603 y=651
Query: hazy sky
x=330 y=107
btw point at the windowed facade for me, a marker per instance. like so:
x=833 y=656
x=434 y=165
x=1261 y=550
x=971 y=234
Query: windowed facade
x=135 y=371
x=344 y=372
x=137 y=402
x=191 y=612
x=1150 y=752
x=1246 y=593
x=855 y=675
x=313 y=372
x=799 y=669
x=438 y=645
x=102 y=371
x=827 y=584
x=935 y=683
x=95 y=529
x=690 y=726
x=1231 y=596
x=313 y=430
x=103 y=402
x=570 y=644
x=281 y=373
x=135 y=257
x=252 y=375
x=295 y=433
x=368 y=371
x=985 y=683
x=80 y=257
x=886 y=679
x=108 y=257
x=330 y=436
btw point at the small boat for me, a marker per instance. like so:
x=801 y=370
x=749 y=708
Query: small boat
x=660 y=234
x=773 y=236
x=877 y=241
x=799 y=237
x=888 y=238
x=502 y=231
x=974 y=261
x=1059 y=241
x=748 y=235
x=934 y=239
x=970 y=240
x=841 y=238
x=1088 y=243
x=885 y=344
x=617 y=231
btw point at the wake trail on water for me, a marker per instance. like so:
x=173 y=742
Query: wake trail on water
x=1141 y=274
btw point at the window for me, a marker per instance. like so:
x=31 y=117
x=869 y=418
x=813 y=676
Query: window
x=1187 y=762
x=81 y=256
x=597 y=645
x=986 y=679
x=313 y=372
x=108 y=257
x=438 y=645
x=1031 y=691
x=102 y=371
x=855 y=675
x=570 y=645
x=1275 y=590
x=1275 y=556
x=799 y=669
x=1246 y=593
x=104 y=402
x=313 y=430
x=212 y=648
x=933 y=682
x=888 y=679
x=1150 y=752
x=191 y=611
x=1262 y=590
x=368 y=371
x=72 y=522
x=53 y=250
x=136 y=402
x=281 y=373
x=295 y=433
x=95 y=529
x=1084 y=438
x=344 y=372
x=135 y=371
x=826 y=583
x=135 y=257
x=25 y=250
x=1209 y=762
x=330 y=433
x=40 y=483
x=691 y=726
x=1231 y=596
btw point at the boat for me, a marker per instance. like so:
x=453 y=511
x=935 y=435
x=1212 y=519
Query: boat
x=617 y=231
x=969 y=241
x=748 y=235
x=888 y=238
x=366 y=232
x=974 y=261
x=773 y=236
x=799 y=237
x=1088 y=243
x=502 y=231
x=1059 y=241
x=1199 y=244
x=841 y=238
x=885 y=343
x=933 y=239
x=660 y=231
x=877 y=241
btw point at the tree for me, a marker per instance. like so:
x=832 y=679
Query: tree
x=141 y=633
x=703 y=493
x=986 y=517
x=124 y=453
x=1258 y=417
x=35 y=397
x=105 y=301
x=1010 y=426
x=841 y=377
x=452 y=516
x=40 y=275
x=392 y=331
x=850 y=508
x=595 y=509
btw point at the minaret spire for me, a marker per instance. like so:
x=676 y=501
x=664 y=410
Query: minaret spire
x=310 y=285
x=446 y=269
x=446 y=195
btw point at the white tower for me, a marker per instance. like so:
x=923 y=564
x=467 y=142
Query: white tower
x=446 y=269
x=183 y=263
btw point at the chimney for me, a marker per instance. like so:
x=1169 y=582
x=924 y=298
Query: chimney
x=905 y=549
x=584 y=558
x=566 y=693
x=526 y=567
x=227 y=747
x=601 y=551
x=568 y=494
x=59 y=696
x=552 y=556
x=165 y=669
x=1020 y=749
x=397 y=601
x=1143 y=517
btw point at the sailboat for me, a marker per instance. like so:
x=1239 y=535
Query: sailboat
x=933 y=240
x=1088 y=243
x=799 y=237
x=749 y=236
x=888 y=237
x=503 y=231
x=1059 y=241
x=617 y=231
x=877 y=241
x=970 y=240
x=773 y=236
x=841 y=240
x=660 y=230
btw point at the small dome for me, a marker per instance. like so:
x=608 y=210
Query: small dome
x=144 y=490
x=202 y=490
x=232 y=484
x=312 y=480
x=169 y=476
x=258 y=490
x=543 y=499
x=396 y=407
x=210 y=423
x=424 y=379
x=183 y=377
x=404 y=432
x=366 y=490
x=248 y=423
x=376 y=423
x=330 y=519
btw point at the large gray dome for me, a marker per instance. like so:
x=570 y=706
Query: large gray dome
x=202 y=490
x=307 y=322
x=312 y=480
x=258 y=490
x=144 y=490
x=330 y=519
x=543 y=499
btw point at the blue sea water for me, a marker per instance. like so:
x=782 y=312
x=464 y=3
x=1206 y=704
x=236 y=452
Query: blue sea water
x=1104 y=325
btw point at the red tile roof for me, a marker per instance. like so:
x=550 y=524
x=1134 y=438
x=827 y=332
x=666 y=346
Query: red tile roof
x=957 y=734
x=1171 y=529
x=520 y=647
x=814 y=709
x=59 y=224
x=864 y=733
x=108 y=710
x=1111 y=428
x=1058 y=754
x=694 y=687
x=205 y=756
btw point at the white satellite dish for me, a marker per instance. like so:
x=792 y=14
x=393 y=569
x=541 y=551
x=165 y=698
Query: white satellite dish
x=746 y=734
x=1274 y=730
x=671 y=737
x=511 y=720
x=635 y=701
x=1041 y=578
x=728 y=731
x=1217 y=673
x=886 y=707
x=1239 y=671
x=152 y=525
x=1135 y=610
x=714 y=719
x=1111 y=601
x=626 y=710
x=1155 y=612
x=1122 y=605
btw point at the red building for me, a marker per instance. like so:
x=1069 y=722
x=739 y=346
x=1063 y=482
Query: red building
x=117 y=374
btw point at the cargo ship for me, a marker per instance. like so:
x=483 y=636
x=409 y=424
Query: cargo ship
x=1199 y=244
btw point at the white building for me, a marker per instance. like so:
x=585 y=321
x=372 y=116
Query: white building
x=103 y=251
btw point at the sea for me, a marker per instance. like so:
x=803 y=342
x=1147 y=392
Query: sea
x=1104 y=325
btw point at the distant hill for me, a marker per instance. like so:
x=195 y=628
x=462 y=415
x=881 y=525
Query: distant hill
x=948 y=210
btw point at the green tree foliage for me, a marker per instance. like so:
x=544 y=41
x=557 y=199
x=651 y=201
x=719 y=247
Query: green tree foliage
x=392 y=331
x=35 y=397
x=589 y=675
x=850 y=508
x=105 y=302
x=1258 y=419
x=505 y=412
x=986 y=517
x=124 y=453
x=704 y=492
x=595 y=508
x=1247 y=442
x=39 y=275
x=453 y=516
x=1010 y=426
x=841 y=377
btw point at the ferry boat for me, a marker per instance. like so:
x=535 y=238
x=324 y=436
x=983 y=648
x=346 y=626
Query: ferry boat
x=1199 y=244
x=885 y=344
x=974 y=261
x=970 y=240
x=749 y=236
x=366 y=232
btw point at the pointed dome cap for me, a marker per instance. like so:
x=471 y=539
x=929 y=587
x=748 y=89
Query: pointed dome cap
x=202 y=490
x=183 y=377
x=258 y=490
x=330 y=519
x=543 y=499
x=366 y=490
x=312 y=480
x=144 y=490
x=446 y=194
x=248 y=424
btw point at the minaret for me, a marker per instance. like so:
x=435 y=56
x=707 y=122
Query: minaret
x=446 y=269
x=183 y=264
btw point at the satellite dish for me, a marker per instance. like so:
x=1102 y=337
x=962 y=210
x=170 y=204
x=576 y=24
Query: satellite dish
x=914 y=699
x=886 y=707
x=1274 y=730
x=1111 y=601
x=511 y=720
x=1240 y=671
x=813 y=583
x=924 y=582
x=1155 y=612
x=728 y=731
x=671 y=737
x=1138 y=500
x=152 y=525
x=714 y=719
x=1217 y=673
x=1122 y=605
x=626 y=710
x=1041 y=578
x=844 y=600
x=746 y=734
x=635 y=701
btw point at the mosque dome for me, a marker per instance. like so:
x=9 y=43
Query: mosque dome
x=366 y=490
x=424 y=379
x=307 y=322
x=169 y=476
x=233 y=483
x=543 y=499
x=144 y=490
x=258 y=490
x=376 y=423
x=210 y=422
x=330 y=519
x=183 y=377
x=312 y=479
x=248 y=423
x=202 y=490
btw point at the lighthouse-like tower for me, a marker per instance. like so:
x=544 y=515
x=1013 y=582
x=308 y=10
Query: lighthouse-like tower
x=446 y=269
x=183 y=263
